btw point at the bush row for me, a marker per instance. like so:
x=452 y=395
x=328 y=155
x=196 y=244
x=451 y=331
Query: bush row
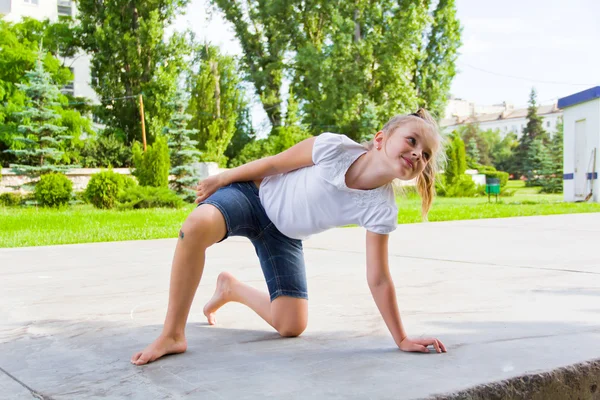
x=105 y=190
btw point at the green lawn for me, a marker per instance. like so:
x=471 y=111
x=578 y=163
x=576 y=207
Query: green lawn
x=519 y=205
x=21 y=227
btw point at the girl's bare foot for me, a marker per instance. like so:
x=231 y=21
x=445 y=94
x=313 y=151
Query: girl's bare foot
x=161 y=346
x=222 y=295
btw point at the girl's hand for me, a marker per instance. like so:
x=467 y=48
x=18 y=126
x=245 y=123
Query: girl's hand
x=208 y=186
x=420 y=345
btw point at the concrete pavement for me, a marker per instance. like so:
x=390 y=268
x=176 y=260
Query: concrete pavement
x=508 y=297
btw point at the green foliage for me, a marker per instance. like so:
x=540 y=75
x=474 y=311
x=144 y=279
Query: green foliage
x=456 y=159
x=504 y=154
x=20 y=49
x=526 y=158
x=217 y=98
x=435 y=68
x=488 y=147
x=131 y=54
x=472 y=152
x=355 y=63
x=537 y=162
x=104 y=188
x=10 y=199
x=149 y=197
x=462 y=186
x=552 y=181
x=41 y=141
x=152 y=166
x=280 y=139
x=263 y=30
x=491 y=172
x=244 y=134
x=182 y=151
x=53 y=190
x=105 y=150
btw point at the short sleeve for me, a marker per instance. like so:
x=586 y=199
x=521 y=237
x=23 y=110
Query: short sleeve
x=327 y=146
x=383 y=220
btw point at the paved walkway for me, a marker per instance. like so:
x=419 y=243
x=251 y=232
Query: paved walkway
x=508 y=297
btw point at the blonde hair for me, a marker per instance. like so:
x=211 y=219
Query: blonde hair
x=425 y=181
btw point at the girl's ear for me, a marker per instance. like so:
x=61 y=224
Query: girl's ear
x=378 y=139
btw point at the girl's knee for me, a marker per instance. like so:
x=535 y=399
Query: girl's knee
x=289 y=315
x=291 y=328
x=205 y=226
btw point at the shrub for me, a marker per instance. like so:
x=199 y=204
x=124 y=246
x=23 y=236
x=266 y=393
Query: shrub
x=152 y=166
x=491 y=172
x=107 y=150
x=104 y=188
x=10 y=199
x=149 y=197
x=53 y=190
x=456 y=159
x=463 y=186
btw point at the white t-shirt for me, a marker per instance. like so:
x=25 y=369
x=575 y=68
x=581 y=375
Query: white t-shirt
x=313 y=199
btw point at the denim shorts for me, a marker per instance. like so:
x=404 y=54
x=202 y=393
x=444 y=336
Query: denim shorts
x=281 y=258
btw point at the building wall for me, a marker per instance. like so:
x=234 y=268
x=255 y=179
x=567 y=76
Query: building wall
x=590 y=111
x=82 y=77
x=20 y=8
x=5 y=6
x=515 y=125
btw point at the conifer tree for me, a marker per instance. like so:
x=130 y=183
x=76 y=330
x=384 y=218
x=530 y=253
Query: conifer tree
x=182 y=149
x=533 y=130
x=41 y=138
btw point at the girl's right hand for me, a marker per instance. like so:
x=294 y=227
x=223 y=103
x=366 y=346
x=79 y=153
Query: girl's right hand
x=420 y=345
x=208 y=186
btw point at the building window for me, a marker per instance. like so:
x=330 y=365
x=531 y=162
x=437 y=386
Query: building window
x=548 y=124
x=69 y=88
x=65 y=8
x=34 y=2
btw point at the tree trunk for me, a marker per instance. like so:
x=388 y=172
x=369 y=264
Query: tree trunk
x=214 y=67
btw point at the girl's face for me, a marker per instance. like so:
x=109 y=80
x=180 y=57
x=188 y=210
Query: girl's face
x=408 y=149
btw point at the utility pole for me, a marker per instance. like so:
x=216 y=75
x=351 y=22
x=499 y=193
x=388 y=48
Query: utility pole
x=143 y=124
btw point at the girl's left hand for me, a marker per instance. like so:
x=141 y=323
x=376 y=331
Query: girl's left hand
x=420 y=345
x=208 y=186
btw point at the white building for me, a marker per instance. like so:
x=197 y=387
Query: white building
x=15 y=10
x=581 y=143
x=503 y=117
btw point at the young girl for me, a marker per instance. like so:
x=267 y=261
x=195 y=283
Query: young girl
x=276 y=202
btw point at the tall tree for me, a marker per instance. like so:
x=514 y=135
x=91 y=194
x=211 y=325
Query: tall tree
x=436 y=66
x=552 y=181
x=217 y=98
x=183 y=152
x=537 y=163
x=20 y=51
x=41 y=137
x=532 y=131
x=472 y=153
x=244 y=134
x=503 y=153
x=456 y=159
x=353 y=63
x=131 y=56
x=263 y=29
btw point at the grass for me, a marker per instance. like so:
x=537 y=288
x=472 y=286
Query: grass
x=21 y=227
x=519 y=205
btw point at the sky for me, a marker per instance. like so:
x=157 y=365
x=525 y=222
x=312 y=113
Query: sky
x=508 y=47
